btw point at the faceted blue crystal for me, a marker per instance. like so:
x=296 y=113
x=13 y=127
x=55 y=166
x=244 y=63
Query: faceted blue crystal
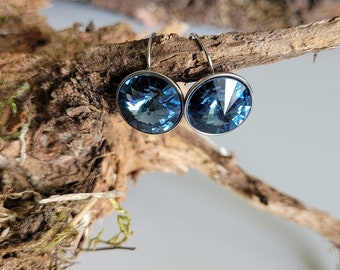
x=150 y=102
x=218 y=104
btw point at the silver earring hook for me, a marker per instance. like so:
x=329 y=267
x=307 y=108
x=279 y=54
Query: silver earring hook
x=149 y=50
x=199 y=40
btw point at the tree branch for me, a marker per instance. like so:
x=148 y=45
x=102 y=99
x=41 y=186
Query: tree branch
x=78 y=143
x=182 y=60
x=247 y=15
x=224 y=170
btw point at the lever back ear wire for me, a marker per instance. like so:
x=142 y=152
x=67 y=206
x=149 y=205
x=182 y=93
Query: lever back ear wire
x=217 y=103
x=149 y=50
x=148 y=101
x=198 y=39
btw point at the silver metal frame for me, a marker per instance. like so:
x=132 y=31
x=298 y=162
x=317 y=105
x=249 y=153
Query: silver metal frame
x=155 y=74
x=160 y=76
x=196 y=85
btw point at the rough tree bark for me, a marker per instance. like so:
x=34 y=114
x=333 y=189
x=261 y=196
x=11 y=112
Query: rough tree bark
x=247 y=15
x=61 y=133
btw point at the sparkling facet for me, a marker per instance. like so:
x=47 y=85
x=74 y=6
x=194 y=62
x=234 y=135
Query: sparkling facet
x=218 y=104
x=150 y=102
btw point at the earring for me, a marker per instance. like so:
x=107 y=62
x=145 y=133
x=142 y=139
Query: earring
x=218 y=103
x=149 y=101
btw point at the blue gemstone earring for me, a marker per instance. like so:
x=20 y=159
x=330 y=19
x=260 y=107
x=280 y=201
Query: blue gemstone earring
x=218 y=103
x=149 y=101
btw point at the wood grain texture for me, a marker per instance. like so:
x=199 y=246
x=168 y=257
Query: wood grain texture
x=182 y=59
x=66 y=136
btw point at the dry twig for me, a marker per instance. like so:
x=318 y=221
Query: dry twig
x=77 y=142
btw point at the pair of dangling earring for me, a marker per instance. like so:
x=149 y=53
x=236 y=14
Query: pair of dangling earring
x=152 y=103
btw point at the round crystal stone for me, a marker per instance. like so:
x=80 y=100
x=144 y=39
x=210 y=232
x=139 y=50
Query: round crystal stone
x=218 y=103
x=150 y=102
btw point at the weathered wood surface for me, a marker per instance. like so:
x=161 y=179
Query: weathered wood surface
x=61 y=133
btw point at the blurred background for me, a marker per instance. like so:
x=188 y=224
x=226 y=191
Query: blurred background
x=291 y=140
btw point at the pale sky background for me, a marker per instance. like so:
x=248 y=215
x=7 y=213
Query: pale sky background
x=291 y=140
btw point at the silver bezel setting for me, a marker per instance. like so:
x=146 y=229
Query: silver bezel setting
x=162 y=77
x=196 y=85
